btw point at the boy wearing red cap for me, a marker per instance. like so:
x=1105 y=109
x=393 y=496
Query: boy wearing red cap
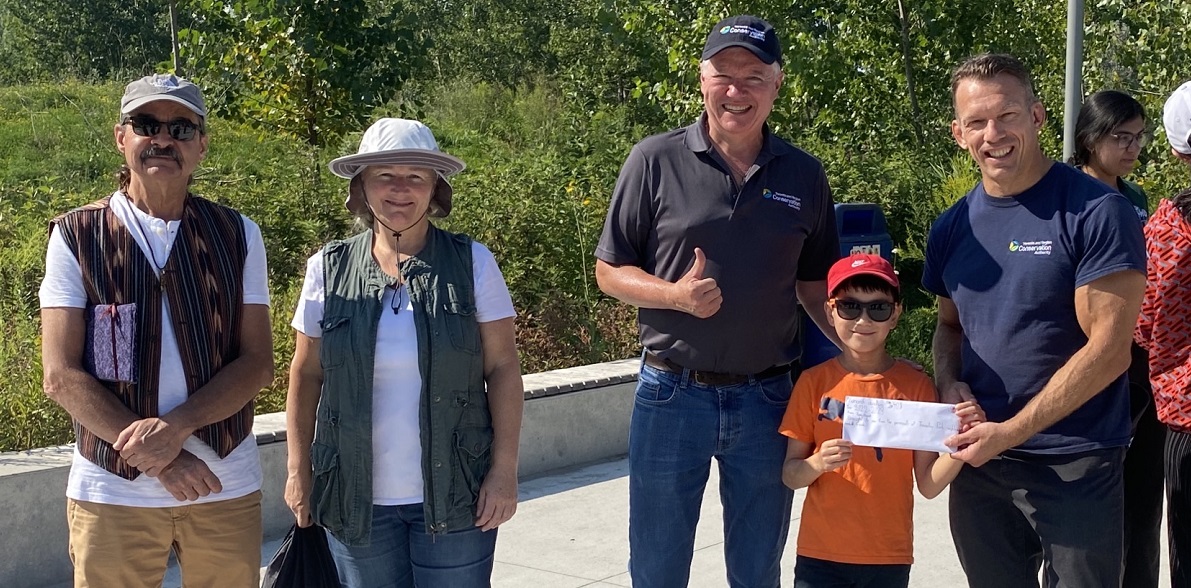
x=857 y=519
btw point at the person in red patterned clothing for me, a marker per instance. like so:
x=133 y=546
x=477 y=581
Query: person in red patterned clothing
x=1164 y=331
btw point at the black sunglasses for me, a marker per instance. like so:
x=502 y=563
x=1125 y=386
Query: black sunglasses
x=179 y=128
x=850 y=310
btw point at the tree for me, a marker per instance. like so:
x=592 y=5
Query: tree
x=312 y=69
x=42 y=39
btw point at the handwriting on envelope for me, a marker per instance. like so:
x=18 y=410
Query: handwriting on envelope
x=899 y=424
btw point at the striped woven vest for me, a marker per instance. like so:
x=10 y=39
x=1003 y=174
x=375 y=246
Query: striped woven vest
x=203 y=280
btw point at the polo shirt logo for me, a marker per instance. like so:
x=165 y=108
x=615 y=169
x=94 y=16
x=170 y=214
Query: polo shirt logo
x=792 y=201
x=1032 y=247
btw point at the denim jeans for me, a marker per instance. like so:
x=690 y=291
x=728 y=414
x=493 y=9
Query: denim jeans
x=401 y=554
x=677 y=427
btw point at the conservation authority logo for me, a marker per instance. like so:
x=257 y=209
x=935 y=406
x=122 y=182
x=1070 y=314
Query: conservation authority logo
x=790 y=200
x=1031 y=247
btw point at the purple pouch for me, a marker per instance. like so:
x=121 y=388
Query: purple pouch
x=110 y=351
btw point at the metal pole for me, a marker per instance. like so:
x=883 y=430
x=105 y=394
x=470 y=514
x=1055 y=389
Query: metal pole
x=174 y=35
x=1074 y=91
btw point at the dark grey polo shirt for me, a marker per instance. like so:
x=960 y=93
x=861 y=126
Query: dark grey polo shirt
x=676 y=193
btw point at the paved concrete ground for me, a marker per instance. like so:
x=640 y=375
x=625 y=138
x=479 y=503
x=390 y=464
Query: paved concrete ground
x=570 y=531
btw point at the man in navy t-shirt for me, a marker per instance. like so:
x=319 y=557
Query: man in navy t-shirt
x=1039 y=272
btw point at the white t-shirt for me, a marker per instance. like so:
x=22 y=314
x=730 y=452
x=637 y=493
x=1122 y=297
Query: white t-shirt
x=240 y=471
x=396 y=378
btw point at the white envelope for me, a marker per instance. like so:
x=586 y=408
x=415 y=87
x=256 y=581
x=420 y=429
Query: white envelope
x=899 y=424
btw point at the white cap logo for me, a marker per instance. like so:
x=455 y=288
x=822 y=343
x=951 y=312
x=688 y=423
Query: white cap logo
x=858 y=263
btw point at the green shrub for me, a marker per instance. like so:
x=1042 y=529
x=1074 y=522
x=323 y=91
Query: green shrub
x=540 y=174
x=536 y=192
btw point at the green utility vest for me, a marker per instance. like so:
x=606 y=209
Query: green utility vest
x=455 y=423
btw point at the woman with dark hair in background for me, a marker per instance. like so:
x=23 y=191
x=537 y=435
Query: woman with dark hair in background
x=1109 y=135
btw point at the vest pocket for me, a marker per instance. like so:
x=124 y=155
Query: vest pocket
x=336 y=341
x=461 y=321
x=326 y=495
x=473 y=458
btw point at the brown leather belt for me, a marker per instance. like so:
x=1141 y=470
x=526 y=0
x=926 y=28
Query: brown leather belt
x=715 y=378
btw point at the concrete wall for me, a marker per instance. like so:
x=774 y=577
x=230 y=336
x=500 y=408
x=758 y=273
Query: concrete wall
x=572 y=417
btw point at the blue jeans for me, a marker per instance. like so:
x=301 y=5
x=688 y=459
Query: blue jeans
x=677 y=427
x=401 y=554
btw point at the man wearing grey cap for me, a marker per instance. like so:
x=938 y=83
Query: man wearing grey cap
x=156 y=339
x=715 y=232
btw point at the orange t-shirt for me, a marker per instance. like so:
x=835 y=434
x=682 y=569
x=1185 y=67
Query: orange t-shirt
x=862 y=513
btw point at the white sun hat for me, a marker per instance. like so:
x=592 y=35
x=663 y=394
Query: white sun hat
x=1176 y=117
x=399 y=141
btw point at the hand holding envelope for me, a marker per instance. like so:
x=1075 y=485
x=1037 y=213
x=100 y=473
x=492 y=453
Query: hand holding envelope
x=905 y=424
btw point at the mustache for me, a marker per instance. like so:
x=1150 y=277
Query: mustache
x=154 y=151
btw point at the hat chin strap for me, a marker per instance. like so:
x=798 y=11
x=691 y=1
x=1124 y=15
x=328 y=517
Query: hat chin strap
x=396 y=238
x=396 y=233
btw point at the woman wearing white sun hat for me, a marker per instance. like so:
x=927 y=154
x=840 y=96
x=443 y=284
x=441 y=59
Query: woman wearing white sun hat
x=405 y=394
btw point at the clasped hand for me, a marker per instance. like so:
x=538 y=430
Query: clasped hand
x=149 y=445
x=978 y=440
x=189 y=478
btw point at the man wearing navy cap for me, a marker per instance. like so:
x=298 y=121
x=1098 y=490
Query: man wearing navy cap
x=715 y=232
x=156 y=339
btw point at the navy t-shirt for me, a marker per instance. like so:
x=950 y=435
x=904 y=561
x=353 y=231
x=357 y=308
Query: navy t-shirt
x=1011 y=265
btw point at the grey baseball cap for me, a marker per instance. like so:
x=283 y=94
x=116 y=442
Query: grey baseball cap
x=163 y=87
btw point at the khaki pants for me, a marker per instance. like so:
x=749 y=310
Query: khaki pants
x=218 y=544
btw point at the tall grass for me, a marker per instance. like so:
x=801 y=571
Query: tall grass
x=534 y=193
x=540 y=172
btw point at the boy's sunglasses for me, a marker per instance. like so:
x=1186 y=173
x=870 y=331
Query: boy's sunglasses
x=850 y=310
x=179 y=128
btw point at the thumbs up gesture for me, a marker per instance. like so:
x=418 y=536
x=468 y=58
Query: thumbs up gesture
x=695 y=294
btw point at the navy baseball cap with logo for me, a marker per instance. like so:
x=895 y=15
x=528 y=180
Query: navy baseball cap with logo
x=746 y=31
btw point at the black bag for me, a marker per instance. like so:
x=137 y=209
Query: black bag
x=302 y=561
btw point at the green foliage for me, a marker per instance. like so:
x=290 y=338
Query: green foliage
x=311 y=69
x=538 y=213
x=543 y=100
x=912 y=338
x=536 y=193
x=1128 y=47
x=51 y=39
x=498 y=41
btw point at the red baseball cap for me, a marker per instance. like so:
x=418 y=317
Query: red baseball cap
x=861 y=264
